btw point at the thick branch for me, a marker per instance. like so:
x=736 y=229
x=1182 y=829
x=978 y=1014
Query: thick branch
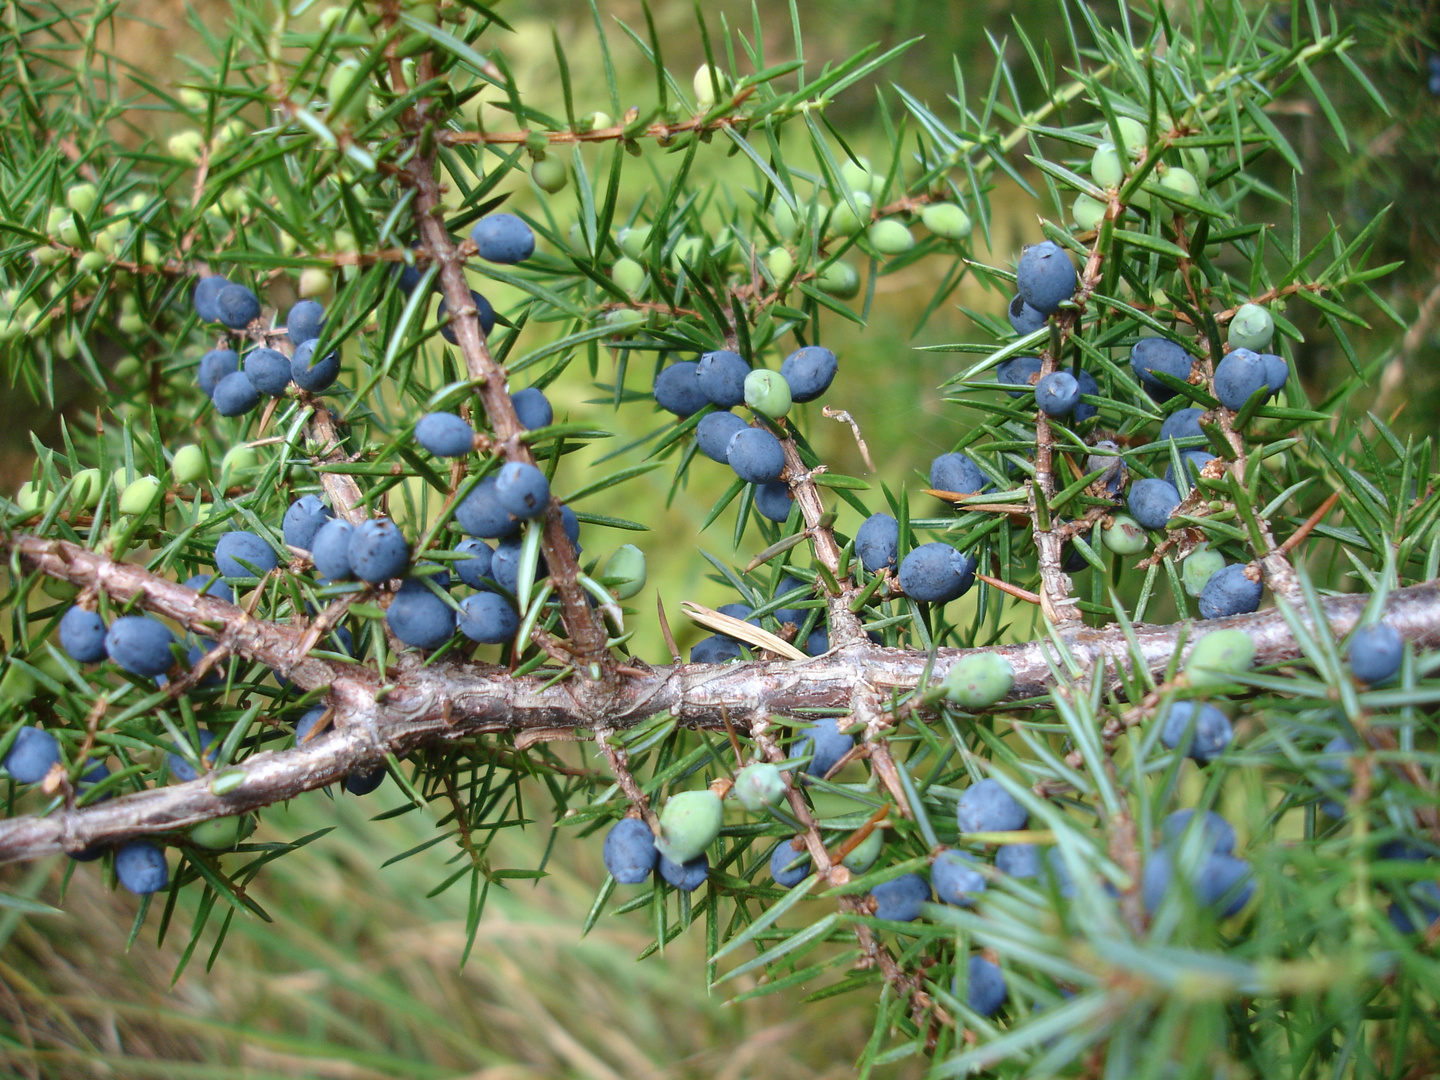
x=456 y=699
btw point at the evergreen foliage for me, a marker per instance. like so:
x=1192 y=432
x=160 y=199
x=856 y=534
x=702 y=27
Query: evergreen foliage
x=987 y=683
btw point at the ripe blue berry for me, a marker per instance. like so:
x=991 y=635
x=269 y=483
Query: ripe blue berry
x=532 y=408
x=1229 y=592
x=630 y=853
x=955 y=879
x=31 y=755
x=363 y=783
x=773 y=501
x=1211 y=730
x=483 y=312
x=140 y=645
x=756 y=455
x=1018 y=371
x=1163 y=355
x=686 y=876
x=304 y=322
x=817 y=642
x=824 y=744
x=476 y=568
x=420 y=618
x=310 y=374
x=488 y=618
x=1192 y=461
x=242 y=554
x=140 y=867
x=203 y=298
x=181 y=767
x=237 y=306
x=331 y=550
x=985 y=992
x=789 y=865
x=1057 y=394
x=1277 y=372
x=1183 y=424
x=1217 y=881
x=214 y=366
x=306 y=516
x=480 y=514
x=677 y=389
x=899 y=900
x=795 y=591
x=211 y=585
x=987 y=807
x=716 y=649
x=1375 y=652
x=721 y=378
x=1218 y=834
x=235 y=394
x=522 y=489
x=809 y=371
x=936 y=573
x=714 y=431
x=82 y=635
x=445 y=434
x=1024 y=319
x=503 y=238
x=1018 y=860
x=1084 y=411
x=1152 y=502
x=378 y=551
x=877 y=542
x=956 y=473
x=1045 y=276
x=1239 y=375
x=505 y=565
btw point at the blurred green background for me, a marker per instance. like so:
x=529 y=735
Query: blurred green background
x=358 y=974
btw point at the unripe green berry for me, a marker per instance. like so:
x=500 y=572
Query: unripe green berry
x=127 y=368
x=844 y=220
x=188 y=465
x=31 y=498
x=17 y=686
x=92 y=262
x=787 y=225
x=858 y=177
x=634 y=239
x=689 y=250
x=1199 y=566
x=1181 y=182
x=131 y=322
x=597 y=121
x=865 y=854
x=549 y=174
x=978 y=680
x=628 y=566
x=767 y=393
x=45 y=256
x=1105 y=167
x=56 y=215
x=86 y=487
x=238 y=465
x=315 y=283
x=185 y=145
x=839 y=279
x=1219 y=655
x=1251 y=328
x=1197 y=160
x=946 y=220
x=139 y=495
x=81 y=198
x=1132 y=135
x=69 y=232
x=345 y=77
x=689 y=824
x=704 y=85
x=890 y=237
x=59 y=590
x=759 y=785
x=624 y=318
x=629 y=275
x=1087 y=212
x=222 y=834
x=780 y=263
x=1124 y=536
